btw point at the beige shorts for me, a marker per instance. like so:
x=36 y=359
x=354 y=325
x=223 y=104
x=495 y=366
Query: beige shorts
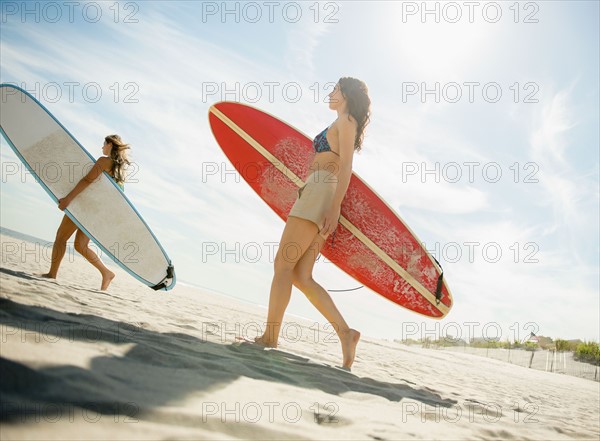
x=315 y=197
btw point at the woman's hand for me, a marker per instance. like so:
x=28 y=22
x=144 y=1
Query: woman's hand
x=102 y=164
x=64 y=203
x=331 y=221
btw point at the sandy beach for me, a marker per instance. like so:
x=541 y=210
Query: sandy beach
x=130 y=363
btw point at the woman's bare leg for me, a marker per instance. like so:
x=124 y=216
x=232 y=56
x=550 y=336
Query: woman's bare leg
x=65 y=230
x=320 y=298
x=81 y=245
x=297 y=236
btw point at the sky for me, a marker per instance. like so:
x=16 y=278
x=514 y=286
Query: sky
x=484 y=138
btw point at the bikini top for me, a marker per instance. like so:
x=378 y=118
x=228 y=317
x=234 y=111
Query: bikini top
x=321 y=144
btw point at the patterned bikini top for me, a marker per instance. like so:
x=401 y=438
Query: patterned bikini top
x=321 y=144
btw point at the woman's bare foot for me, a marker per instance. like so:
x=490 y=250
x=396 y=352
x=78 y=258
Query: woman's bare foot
x=106 y=279
x=48 y=276
x=349 y=340
x=263 y=341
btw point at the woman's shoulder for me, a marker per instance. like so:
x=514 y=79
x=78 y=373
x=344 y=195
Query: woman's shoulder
x=345 y=122
x=105 y=162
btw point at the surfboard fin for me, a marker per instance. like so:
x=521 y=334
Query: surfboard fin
x=438 y=289
x=440 y=283
x=167 y=280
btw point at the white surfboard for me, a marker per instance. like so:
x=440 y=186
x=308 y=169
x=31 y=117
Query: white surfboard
x=101 y=211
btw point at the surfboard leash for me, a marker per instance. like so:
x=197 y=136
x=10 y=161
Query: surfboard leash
x=440 y=283
x=345 y=290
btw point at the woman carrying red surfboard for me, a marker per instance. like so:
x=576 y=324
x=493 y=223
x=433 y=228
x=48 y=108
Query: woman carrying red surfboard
x=315 y=216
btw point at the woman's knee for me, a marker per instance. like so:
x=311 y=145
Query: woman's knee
x=283 y=266
x=65 y=230
x=81 y=245
x=301 y=280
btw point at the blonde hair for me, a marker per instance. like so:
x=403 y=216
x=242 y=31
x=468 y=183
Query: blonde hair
x=118 y=154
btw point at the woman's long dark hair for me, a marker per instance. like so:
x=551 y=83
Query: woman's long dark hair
x=358 y=102
x=118 y=154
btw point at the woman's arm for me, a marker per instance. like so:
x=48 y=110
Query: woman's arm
x=102 y=164
x=347 y=134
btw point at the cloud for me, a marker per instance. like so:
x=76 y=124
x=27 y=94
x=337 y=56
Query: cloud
x=571 y=196
x=302 y=41
x=554 y=121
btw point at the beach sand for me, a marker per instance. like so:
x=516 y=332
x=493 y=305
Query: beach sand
x=131 y=363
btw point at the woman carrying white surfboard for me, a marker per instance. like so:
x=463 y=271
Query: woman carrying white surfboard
x=315 y=215
x=114 y=163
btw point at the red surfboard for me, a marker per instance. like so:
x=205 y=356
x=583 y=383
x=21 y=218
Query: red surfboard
x=372 y=243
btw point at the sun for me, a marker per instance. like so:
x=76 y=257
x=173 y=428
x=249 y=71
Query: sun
x=444 y=43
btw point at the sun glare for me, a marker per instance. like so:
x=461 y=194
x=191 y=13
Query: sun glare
x=445 y=40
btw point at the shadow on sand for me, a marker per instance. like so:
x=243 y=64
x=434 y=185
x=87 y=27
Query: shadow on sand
x=157 y=369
